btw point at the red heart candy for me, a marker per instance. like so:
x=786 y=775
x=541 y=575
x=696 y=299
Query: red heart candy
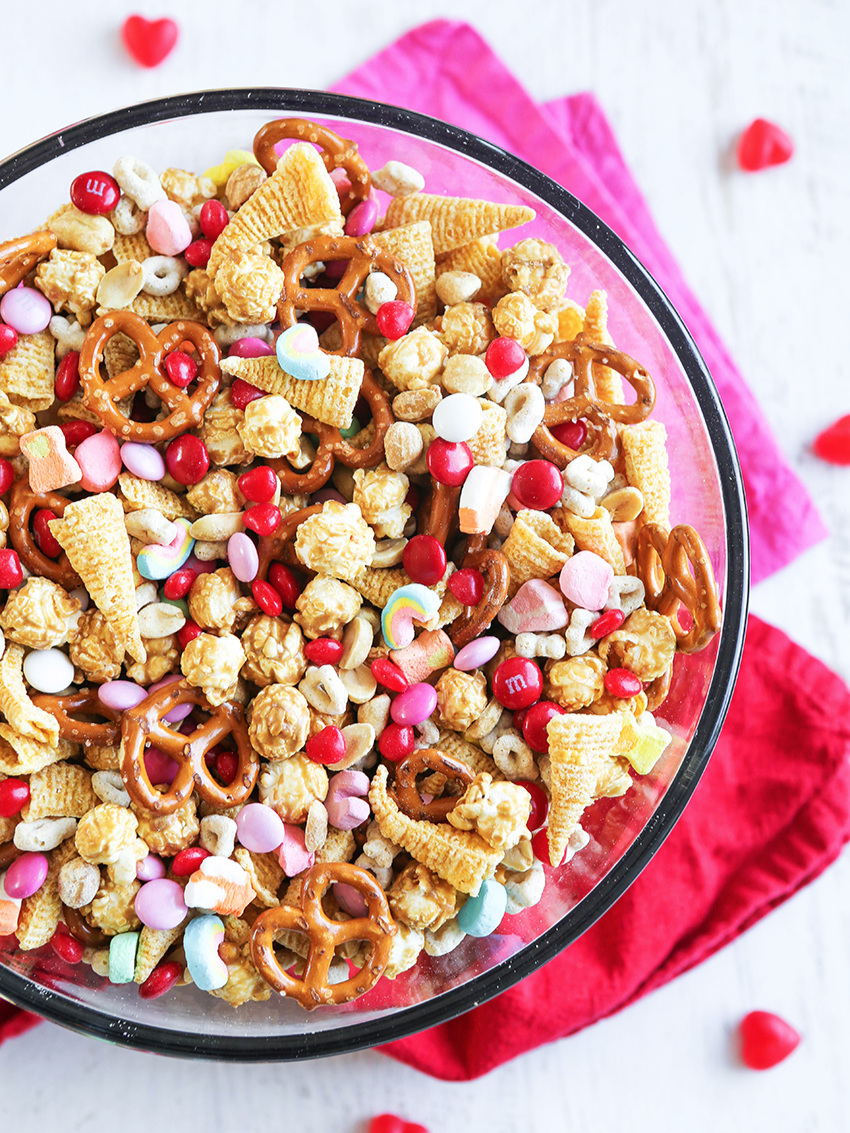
x=149 y=41
x=833 y=444
x=766 y=1040
x=763 y=144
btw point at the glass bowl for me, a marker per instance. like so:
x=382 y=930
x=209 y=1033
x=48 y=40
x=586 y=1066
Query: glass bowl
x=194 y=131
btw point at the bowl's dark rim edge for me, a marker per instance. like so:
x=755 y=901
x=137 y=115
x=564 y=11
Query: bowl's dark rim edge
x=53 y=1005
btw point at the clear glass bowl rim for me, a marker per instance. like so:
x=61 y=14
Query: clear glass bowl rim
x=360 y=1034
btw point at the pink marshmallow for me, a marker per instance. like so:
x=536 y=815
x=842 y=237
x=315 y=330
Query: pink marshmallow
x=345 y=802
x=585 y=579
x=168 y=231
x=536 y=607
x=432 y=650
x=99 y=458
x=293 y=855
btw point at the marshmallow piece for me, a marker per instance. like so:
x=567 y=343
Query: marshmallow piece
x=201 y=942
x=481 y=497
x=51 y=466
x=292 y=853
x=220 y=885
x=536 y=606
x=10 y=908
x=585 y=579
x=431 y=651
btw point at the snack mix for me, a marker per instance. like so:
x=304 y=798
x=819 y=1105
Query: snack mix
x=338 y=569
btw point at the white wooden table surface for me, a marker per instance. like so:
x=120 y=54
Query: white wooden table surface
x=767 y=255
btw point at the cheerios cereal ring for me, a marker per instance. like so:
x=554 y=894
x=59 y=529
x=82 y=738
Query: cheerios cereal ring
x=334 y=447
x=146 y=723
x=427 y=761
x=325 y=935
x=22 y=503
x=337 y=153
x=363 y=256
x=184 y=410
x=84 y=702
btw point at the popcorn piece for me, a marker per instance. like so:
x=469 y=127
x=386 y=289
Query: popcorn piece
x=536 y=269
x=645 y=644
x=467 y=328
x=185 y=188
x=647 y=469
x=163 y=657
x=104 y=832
x=513 y=317
x=270 y=427
x=15 y=422
x=216 y=601
x=60 y=790
x=461 y=698
x=250 y=286
x=289 y=786
x=405 y=948
x=15 y=704
x=216 y=494
x=39 y=615
x=219 y=886
x=380 y=495
x=578 y=746
x=212 y=664
x=413 y=361
x=26 y=372
x=462 y=858
x=168 y=834
x=220 y=431
x=244 y=983
x=325 y=606
x=274 y=652
x=420 y=899
x=455 y=221
x=336 y=542
x=575 y=683
x=499 y=812
x=70 y=280
x=279 y=721
x=299 y=193
x=113 y=909
x=93 y=535
x=330 y=400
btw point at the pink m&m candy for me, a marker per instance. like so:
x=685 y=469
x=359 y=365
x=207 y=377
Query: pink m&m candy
x=99 y=458
x=25 y=310
x=120 y=695
x=242 y=556
x=250 y=348
x=142 y=460
x=159 y=904
x=476 y=654
x=161 y=768
x=350 y=900
x=25 y=876
x=150 y=868
x=362 y=217
x=259 y=828
x=182 y=710
x=414 y=705
x=167 y=230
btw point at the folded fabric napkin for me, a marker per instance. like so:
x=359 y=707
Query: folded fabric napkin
x=773 y=808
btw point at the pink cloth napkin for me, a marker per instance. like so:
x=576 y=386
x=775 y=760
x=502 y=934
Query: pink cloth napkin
x=445 y=69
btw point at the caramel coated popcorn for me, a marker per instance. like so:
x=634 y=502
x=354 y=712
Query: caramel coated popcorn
x=274 y=652
x=39 y=615
x=213 y=664
x=461 y=698
x=280 y=721
x=338 y=542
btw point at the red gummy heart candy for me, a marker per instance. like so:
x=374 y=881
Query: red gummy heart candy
x=763 y=144
x=766 y=1040
x=833 y=444
x=149 y=41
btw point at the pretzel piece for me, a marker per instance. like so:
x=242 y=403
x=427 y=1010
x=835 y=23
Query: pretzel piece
x=184 y=410
x=85 y=702
x=325 y=935
x=475 y=620
x=363 y=256
x=18 y=257
x=337 y=153
x=422 y=762
x=675 y=569
x=146 y=723
x=22 y=503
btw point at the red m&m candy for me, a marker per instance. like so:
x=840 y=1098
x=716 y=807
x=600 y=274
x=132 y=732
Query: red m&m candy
x=537 y=484
x=96 y=193
x=534 y=724
x=394 y=318
x=517 y=683
x=504 y=357
x=449 y=462
x=424 y=559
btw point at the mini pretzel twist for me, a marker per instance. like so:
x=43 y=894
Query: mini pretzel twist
x=423 y=762
x=146 y=724
x=497 y=575
x=22 y=503
x=600 y=415
x=325 y=935
x=82 y=703
x=675 y=569
x=18 y=257
x=337 y=153
x=334 y=447
x=185 y=410
x=364 y=256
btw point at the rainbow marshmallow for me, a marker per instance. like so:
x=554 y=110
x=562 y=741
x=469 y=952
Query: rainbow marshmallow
x=201 y=942
x=299 y=355
x=409 y=604
x=160 y=560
